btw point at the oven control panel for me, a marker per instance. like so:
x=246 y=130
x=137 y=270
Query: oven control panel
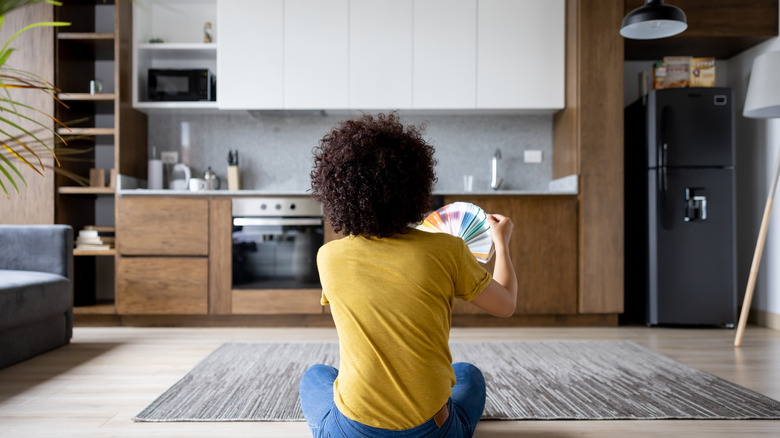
x=275 y=206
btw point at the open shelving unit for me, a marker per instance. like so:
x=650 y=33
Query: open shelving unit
x=179 y=24
x=96 y=46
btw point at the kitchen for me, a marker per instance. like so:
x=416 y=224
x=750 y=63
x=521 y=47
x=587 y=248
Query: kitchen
x=475 y=118
x=562 y=161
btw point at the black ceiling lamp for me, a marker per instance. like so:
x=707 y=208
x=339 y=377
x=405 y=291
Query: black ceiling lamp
x=653 y=20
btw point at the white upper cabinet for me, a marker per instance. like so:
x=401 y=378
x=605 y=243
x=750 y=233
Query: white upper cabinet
x=360 y=54
x=520 y=54
x=380 y=54
x=445 y=54
x=315 y=54
x=250 y=57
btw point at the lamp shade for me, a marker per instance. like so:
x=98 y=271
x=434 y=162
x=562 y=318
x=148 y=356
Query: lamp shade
x=763 y=95
x=653 y=20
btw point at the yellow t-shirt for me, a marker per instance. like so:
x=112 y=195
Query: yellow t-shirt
x=391 y=300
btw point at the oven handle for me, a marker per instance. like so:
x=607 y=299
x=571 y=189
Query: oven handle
x=259 y=221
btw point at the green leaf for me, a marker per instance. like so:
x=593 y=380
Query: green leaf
x=31 y=26
x=2 y=169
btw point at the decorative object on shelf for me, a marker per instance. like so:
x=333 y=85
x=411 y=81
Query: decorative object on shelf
x=464 y=220
x=94 y=238
x=762 y=102
x=97 y=177
x=17 y=140
x=95 y=86
x=207 y=33
x=652 y=21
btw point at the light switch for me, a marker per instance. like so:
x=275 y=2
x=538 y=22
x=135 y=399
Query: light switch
x=169 y=157
x=532 y=156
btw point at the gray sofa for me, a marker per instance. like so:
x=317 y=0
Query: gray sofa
x=36 y=290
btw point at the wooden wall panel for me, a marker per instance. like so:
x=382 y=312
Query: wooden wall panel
x=601 y=156
x=220 y=255
x=157 y=225
x=131 y=136
x=35 y=203
x=565 y=157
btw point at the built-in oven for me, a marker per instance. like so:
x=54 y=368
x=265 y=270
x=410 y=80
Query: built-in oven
x=275 y=243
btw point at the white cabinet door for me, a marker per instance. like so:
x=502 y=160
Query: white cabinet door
x=445 y=54
x=315 y=54
x=250 y=59
x=380 y=54
x=520 y=54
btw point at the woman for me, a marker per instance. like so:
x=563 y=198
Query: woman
x=391 y=288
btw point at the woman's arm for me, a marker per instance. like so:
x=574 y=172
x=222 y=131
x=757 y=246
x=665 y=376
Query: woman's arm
x=500 y=296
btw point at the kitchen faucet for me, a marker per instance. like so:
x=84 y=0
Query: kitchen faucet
x=495 y=181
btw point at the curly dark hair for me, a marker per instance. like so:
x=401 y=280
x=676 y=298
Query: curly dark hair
x=372 y=176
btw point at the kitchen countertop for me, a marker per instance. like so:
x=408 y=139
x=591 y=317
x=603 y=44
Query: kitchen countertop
x=561 y=186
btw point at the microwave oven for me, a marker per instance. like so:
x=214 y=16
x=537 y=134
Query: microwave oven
x=182 y=84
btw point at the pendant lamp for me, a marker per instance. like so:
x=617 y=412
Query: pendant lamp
x=652 y=21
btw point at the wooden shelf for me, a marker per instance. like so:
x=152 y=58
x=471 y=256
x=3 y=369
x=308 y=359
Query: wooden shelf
x=84 y=36
x=86 y=96
x=77 y=190
x=102 y=252
x=86 y=131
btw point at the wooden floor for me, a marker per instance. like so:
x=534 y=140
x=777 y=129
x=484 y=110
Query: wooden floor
x=92 y=387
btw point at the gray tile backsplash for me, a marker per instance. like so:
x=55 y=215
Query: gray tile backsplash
x=275 y=147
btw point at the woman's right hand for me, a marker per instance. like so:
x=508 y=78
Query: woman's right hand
x=500 y=229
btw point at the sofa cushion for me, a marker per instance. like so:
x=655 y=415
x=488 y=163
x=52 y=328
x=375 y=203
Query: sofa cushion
x=47 y=248
x=31 y=295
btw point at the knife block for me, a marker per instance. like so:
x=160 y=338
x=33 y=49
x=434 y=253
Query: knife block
x=234 y=182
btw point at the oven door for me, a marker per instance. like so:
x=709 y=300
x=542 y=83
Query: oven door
x=276 y=252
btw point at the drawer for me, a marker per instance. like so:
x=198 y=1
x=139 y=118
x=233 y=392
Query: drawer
x=276 y=301
x=162 y=285
x=162 y=226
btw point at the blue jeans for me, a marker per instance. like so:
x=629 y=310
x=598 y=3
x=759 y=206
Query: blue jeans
x=325 y=420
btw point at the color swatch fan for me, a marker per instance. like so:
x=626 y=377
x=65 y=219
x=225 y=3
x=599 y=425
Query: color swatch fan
x=466 y=221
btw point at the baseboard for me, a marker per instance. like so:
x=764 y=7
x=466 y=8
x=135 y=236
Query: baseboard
x=764 y=319
x=108 y=320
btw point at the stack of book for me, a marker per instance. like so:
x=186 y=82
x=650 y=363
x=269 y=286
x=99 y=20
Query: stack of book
x=95 y=238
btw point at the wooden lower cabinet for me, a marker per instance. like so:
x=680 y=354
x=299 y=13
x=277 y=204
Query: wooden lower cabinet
x=162 y=285
x=192 y=276
x=543 y=250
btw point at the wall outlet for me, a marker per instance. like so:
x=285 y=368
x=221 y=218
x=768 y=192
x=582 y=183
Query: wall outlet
x=532 y=156
x=169 y=157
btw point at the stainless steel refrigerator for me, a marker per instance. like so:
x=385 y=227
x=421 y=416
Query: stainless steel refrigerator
x=680 y=253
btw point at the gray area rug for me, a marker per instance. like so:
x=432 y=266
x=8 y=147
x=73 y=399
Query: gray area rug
x=539 y=380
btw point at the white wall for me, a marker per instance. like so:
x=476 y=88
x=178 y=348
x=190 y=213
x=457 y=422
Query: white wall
x=758 y=145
